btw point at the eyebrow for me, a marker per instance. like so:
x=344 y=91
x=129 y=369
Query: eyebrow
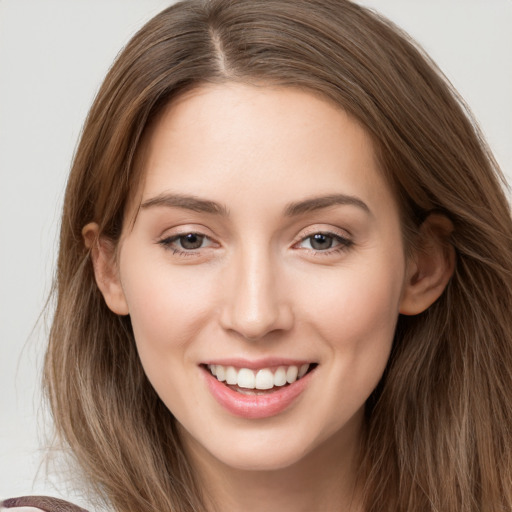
x=319 y=203
x=190 y=202
x=187 y=202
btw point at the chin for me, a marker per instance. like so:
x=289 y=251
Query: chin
x=257 y=459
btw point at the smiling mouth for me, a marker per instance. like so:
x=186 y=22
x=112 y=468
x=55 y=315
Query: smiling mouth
x=259 y=382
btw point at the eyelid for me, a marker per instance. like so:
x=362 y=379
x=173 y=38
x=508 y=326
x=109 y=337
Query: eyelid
x=184 y=229
x=170 y=236
x=173 y=238
x=345 y=240
x=324 y=229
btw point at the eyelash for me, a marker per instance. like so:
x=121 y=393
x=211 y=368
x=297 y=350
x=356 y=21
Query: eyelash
x=167 y=243
x=343 y=243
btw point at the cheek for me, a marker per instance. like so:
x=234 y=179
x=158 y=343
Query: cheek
x=354 y=311
x=356 y=319
x=168 y=308
x=167 y=305
x=354 y=300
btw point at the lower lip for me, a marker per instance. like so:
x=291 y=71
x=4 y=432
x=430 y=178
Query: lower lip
x=256 y=406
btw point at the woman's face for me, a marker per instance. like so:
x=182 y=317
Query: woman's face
x=268 y=244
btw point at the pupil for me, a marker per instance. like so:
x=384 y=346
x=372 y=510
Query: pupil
x=191 y=241
x=320 y=241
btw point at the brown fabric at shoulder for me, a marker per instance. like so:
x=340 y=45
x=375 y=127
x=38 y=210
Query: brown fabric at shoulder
x=42 y=502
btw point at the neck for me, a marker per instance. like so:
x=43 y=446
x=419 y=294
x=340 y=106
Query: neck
x=325 y=479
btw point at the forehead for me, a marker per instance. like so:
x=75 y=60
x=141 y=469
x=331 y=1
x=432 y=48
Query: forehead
x=237 y=143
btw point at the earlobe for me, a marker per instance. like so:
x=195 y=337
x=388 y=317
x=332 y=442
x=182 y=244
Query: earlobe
x=430 y=268
x=105 y=268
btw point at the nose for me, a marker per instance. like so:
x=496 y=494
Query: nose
x=256 y=303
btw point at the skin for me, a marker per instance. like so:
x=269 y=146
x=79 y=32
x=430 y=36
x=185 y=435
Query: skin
x=258 y=288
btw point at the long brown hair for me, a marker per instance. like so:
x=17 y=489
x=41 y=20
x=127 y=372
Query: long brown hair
x=439 y=425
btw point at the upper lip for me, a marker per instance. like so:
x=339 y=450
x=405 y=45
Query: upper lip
x=255 y=364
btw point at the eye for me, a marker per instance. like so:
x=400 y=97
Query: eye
x=324 y=241
x=191 y=241
x=186 y=242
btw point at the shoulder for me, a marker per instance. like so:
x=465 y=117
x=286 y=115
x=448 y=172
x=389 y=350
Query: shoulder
x=38 y=504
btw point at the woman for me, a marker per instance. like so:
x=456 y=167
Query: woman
x=284 y=274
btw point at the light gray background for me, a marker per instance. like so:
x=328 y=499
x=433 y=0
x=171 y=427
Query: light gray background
x=53 y=56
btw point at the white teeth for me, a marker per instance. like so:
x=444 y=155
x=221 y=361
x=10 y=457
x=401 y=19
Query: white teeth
x=280 y=376
x=246 y=379
x=291 y=374
x=262 y=379
x=231 y=375
x=220 y=373
x=302 y=370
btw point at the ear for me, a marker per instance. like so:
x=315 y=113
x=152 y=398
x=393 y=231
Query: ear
x=103 y=256
x=430 y=267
